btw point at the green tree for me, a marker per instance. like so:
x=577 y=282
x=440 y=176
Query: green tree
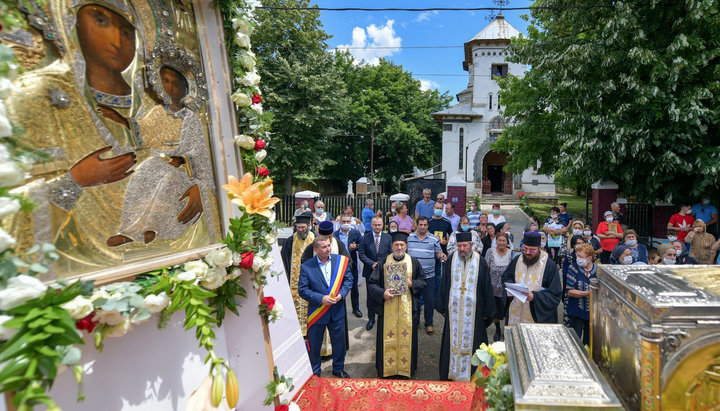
x=302 y=87
x=629 y=93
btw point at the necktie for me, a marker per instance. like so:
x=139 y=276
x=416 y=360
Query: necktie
x=377 y=243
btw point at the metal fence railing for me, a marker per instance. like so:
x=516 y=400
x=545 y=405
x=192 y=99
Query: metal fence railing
x=285 y=209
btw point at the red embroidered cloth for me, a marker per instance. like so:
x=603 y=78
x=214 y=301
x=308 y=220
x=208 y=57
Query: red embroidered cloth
x=376 y=394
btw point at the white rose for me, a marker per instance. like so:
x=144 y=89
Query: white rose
x=278 y=310
x=270 y=239
x=242 y=40
x=257 y=107
x=4 y=153
x=248 y=60
x=499 y=347
x=241 y=26
x=6 y=333
x=6 y=86
x=5 y=126
x=10 y=174
x=79 y=307
x=156 y=303
x=245 y=142
x=281 y=388
x=111 y=317
x=234 y=273
x=268 y=262
x=98 y=294
x=6 y=240
x=20 y=289
x=272 y=217
x=120 y=329
x=196 y=269
x=214 y=278
x=293 y=407
x=251 y=79
x=260 y=155
x=8 y=206
x=258 y=263
x=220 y=257
x=241 y=99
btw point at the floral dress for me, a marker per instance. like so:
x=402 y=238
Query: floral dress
x=498 y=264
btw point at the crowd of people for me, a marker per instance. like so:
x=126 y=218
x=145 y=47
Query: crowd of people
x=435 y=261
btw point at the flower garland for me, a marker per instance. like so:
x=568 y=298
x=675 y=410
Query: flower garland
x=493 y=375
x=40 y=325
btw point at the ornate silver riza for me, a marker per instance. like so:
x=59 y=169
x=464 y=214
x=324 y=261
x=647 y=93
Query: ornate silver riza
x=550 y=370
x=656 y=334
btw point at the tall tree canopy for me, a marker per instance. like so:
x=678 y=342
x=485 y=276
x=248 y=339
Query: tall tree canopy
x=629 y=93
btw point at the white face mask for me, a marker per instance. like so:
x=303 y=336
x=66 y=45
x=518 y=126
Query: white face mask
x=577 y=231
x=630 y=243
x=587 y=233
x=345 y=227
x=553 y=216
x=672 y=239
x=542 y=244
x=668 y=261
x=392 y=230
x=581 y=262
x=678 y=252
x=609 y=219
x=627 y=260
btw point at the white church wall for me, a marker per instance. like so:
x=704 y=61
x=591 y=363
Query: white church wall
x=532 y=182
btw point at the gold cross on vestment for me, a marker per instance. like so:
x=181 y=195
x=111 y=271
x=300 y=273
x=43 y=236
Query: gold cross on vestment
x=391 y=334
x=404 y=333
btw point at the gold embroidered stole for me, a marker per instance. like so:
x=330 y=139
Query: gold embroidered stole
x=397 y=322
x=301 y=306
x=532 y=277
x=464 y=276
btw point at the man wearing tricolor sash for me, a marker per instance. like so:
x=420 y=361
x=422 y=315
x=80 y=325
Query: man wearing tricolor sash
x=466 y=301
x=395 y=286
x=324 y=282
x=291 y=253
x=536 y=270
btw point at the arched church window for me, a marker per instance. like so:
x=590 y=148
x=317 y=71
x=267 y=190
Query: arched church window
x=461 y=139
x=490 y=102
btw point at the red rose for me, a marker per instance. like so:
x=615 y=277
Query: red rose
x=486 y=372
x=256 y=98
x=282 y=407
x=262 y=171
x=86 y=323
x=259 y=145
x=269 y=301
x=246 y=260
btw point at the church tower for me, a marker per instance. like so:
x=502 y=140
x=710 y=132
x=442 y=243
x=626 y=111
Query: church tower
x=470 y=126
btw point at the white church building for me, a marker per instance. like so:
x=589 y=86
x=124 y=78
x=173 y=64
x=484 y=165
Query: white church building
x=470 y=126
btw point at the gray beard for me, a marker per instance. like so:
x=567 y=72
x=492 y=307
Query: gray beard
x=302 y=235
x=399 y=256
x=531 y=261
x=465 y=256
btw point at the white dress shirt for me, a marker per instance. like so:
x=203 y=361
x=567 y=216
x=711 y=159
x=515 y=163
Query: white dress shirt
x=325 y=268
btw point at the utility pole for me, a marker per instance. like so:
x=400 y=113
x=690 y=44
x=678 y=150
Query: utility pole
x=372 y=152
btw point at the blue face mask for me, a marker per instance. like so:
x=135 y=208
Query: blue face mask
x=465 y=227
x=496 y=212
x=438 y=212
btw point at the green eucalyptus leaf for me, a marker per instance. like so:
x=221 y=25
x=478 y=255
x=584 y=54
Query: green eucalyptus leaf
x=72 y=356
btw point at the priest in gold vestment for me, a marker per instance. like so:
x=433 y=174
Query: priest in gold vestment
x=466 y=301
x=291 y=253
x=395 y=286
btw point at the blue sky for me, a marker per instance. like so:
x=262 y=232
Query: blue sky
x=360 y=29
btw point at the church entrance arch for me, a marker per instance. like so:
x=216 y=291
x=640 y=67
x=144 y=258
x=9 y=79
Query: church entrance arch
x=493 y=172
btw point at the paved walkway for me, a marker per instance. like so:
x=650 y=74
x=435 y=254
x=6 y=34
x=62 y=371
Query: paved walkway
x=514 y=216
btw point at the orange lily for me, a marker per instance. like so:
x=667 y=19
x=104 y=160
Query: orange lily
x=258 y=199
x=236 y=187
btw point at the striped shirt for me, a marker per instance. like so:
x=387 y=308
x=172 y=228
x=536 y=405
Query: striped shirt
x=424 y=250
x=474 y=218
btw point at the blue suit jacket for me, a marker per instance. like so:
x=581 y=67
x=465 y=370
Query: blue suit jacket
x=368 y=256
x=354 y=236
x=312 y=287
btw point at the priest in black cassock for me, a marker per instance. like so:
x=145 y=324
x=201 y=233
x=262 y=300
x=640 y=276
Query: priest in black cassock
x=535 y=269
x=466 y=301
x=395 y=286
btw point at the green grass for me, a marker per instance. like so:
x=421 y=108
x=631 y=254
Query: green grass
x=575 y=206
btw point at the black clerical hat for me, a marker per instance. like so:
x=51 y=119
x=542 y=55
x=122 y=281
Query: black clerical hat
x=325 y=228
x=303 y=218
x=532 y=239
x=463 y=237
x=399 y=236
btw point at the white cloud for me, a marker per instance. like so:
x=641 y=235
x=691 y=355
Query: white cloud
x=425 y=15
x=383 y=42
x=426 y=85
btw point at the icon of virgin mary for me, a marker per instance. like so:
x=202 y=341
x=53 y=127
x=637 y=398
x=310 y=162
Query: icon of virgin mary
x=96 y=142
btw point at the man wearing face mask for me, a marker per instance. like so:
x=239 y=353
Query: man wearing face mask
x=534 y=269
x=425 y=247
x=610 y=232
x=473 y=215
x=350 y=237
x=707 y=213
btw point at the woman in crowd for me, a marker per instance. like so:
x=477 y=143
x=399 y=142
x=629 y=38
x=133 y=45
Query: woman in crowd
x=568 y=261
x=503 y=228
x=667 y=253
x=653 y=257
x=578 y=289
x=592 y=240
x=621 y=255
x=498 y=259
x=702 y=243
x=404 y=221
x=488 y=239
x=464 y=226
x=681 y=253
x=392 y=226
x=544 y=245
x=638 y=251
